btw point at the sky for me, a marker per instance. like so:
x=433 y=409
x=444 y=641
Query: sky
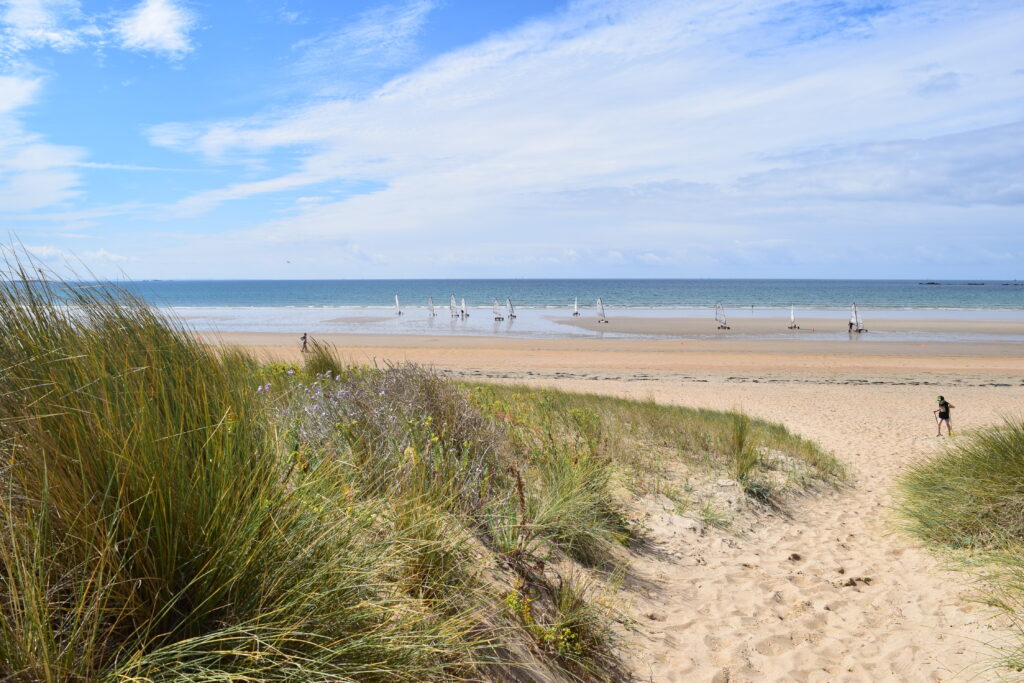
x=296 y=139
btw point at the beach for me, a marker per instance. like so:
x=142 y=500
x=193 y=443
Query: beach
x=736 y=359
x=830 y=590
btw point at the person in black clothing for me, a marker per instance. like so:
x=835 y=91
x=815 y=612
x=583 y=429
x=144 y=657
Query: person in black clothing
x=303 y=340
x=942 y=415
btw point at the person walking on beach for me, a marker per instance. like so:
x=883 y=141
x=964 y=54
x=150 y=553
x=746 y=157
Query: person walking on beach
x=942 y=415
x=303 y=340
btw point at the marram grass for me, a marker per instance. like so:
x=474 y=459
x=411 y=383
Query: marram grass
x=151 y=529
x=171 y=511
x=971 y=495
x=968 y=501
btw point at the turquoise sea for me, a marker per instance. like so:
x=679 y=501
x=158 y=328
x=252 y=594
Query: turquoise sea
x=620 y=294
x=367 y=306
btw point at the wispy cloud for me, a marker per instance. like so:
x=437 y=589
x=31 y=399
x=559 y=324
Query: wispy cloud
x=939 y=83
x=44 y=252
x=107 y=256
x=160 y=26
x=976 y=167
x=33 y=173
x=16 y=93
x=135 y=167
x=378 y=39
x=57 y=256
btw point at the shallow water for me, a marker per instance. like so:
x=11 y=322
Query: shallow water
x=545 y=323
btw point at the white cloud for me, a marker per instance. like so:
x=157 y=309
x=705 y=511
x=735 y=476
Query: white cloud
x=33 y=173
x=34 y=23
x=106 y=256
x=44 y=252
x=36 y=189
x=15 y=93
x=160 y=26
x=976 y=167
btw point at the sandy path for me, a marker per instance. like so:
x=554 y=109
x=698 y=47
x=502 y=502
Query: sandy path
x=862 y=602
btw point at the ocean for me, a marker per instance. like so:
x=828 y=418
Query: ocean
x=367 y=306
x=620 y=294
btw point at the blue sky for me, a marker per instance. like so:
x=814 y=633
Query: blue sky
x=472 y=138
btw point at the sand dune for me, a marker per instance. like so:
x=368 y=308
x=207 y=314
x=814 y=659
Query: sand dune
x=831 y=592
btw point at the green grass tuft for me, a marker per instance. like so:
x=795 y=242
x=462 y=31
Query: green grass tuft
x=969 y=502
x=639 y=443
x=972 y=495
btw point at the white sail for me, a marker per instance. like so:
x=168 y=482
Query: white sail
x=398 y=306
x=600 y=309
x=510 y=307
x=496 y=310
x=858 y=324
x=720 y=314
x=462 y=308
x=576 y=306
x=451 y=306
x=430 y=306
x=792 y=315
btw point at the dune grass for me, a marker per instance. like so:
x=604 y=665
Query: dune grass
x=150 y=528
x=968 y=501
x=642 y=442
x=170 y=511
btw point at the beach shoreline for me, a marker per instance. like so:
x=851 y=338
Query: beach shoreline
x=888 y=326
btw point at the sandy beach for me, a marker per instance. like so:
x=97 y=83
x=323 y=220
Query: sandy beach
x=637 y=360
x=829 y=592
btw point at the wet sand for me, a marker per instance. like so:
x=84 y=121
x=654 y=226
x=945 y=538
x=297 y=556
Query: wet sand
x=744 y=324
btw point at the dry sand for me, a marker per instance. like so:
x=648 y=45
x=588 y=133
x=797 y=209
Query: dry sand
x=830 y=592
